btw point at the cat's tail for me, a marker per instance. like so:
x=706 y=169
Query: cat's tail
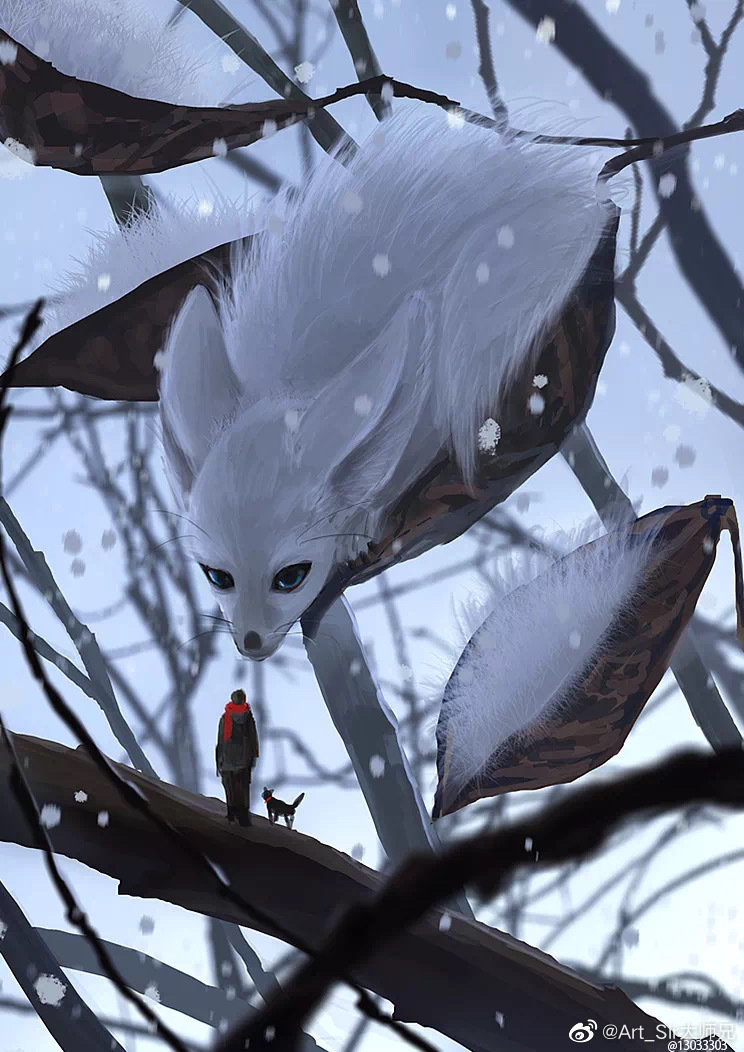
x=298 y=801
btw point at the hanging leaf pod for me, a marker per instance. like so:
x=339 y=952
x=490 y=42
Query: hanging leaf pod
x=551 y=683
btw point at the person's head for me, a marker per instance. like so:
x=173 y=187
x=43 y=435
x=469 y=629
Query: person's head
x=238 y=696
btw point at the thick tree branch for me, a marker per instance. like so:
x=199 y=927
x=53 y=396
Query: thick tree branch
x=286 y=874
x=577 y=826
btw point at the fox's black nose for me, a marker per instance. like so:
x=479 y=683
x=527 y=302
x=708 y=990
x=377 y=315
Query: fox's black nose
x=252 y=641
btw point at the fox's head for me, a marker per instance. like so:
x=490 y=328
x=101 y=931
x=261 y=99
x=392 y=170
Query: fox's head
x=282 y=487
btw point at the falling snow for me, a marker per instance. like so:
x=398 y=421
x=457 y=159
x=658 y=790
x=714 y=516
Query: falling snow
x=104 y=282
x=482 y=273
x=685 y=456
x=268 y=128
x=381 y=265
x=8 y=52
x=708 y=545
x=545 y=31
x=451 y=12
x=230 y=63
x=72 y=542
x=108 y=539
x=352 y=202
x=667 y=184
x=672 y=433
x=455 y=118
x=445 y=922
x=453 y=49
x=151 y=990
x=103 y=819
x=3 y=929
x=50 y=990
x=540 y=380
x=50 y=816
x=574 y=639
x=362 y=405
x=376 y=766
x=489 y=435
x=659 y=477
x=292 y=419
x=694 y=395
x=146 y=925
x=81 y=796
x=77 y=567
x=219 y=148
x=305 y=72
x=505 y=237
x=536 y=403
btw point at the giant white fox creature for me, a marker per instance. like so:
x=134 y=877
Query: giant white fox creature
x=378 y=323
x=375 y=323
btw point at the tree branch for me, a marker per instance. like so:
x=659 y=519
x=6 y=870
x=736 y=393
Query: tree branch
x=286 y=874
x=576 y=827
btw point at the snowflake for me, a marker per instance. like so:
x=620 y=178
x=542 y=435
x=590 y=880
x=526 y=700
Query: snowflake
x=305 y=72
x=205 y=208
x=108 y=540
x=536 y=403
x=482 y=273
x=672 y=433
x=489 y=435
x=451 y=12
x=268 y=128
x=376 y=766
x=455 y=117
x=505 y=237
x=574 y=640
x=72 y=542
x=81 y=796
x=219 y=148
x=151 y=990
x=378 y=10
x=539 y=381
x=357 y=851
x=146 y=925
x=50 y=816
x=659 y=477
x=708 y=545
x=230 y=63
x=719 y=161
x=103 y=819
x=3 y=929
x=445 y=922
x=77 y=567
x=381 y=265
x=545 y=32
x=8 y=52
x=355 y=667
x=396 y=546
x=104 y=282
x=159 y=360
x=685 y=456
x=292 y=419
x=352 y=202
x=387 y=92
x=697 y=12
x=362 y=405
x=528 y=843
x=50 y=990
x=499 y=1017
x=23 y=153
x=613 y=6
x=694 y=394
x=667 y=184
x=453 y=49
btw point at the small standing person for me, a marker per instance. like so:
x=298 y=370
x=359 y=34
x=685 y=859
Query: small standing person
x=236 y=755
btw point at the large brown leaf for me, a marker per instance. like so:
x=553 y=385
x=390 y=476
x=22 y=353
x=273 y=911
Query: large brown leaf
x=593 y=724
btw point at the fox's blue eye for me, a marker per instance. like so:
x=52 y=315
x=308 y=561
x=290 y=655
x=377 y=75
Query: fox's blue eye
x=219 y=578
x=290 y=577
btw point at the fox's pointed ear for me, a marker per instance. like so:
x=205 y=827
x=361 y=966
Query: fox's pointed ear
x=198 y=388
x=360 y=425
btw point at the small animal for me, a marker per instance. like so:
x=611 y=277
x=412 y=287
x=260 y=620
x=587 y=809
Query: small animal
x=280 y=809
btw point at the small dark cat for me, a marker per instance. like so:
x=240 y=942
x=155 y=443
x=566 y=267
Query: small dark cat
x=280 y=809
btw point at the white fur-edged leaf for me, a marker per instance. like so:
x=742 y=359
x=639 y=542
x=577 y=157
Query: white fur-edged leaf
x=124 y=44
x=422 y=206
x=120 y=259
x=535 y=641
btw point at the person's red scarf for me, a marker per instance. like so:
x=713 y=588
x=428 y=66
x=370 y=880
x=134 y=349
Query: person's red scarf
x=231 y=709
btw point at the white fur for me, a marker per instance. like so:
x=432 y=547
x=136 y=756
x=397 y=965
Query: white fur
x=124 y=44
x=539 y=629
x=120 y=259
x=347 y=374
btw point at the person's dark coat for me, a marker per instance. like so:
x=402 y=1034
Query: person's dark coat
x=235 y=759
